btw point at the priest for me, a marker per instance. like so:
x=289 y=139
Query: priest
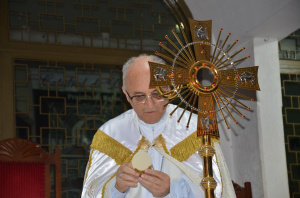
x=176 y=169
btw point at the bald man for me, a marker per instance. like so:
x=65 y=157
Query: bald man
x=176 y=167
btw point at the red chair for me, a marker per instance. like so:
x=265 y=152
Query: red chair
x=242 y=192
x=25 y=170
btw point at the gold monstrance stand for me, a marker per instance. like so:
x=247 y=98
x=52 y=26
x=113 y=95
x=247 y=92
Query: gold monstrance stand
x=206 y=79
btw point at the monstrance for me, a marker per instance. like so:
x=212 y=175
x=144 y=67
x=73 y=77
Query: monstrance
x=205 y=77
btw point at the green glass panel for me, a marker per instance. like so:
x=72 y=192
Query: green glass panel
x=70 y=120
x=71 y=150
x=33 y=7
x=99 y=122
x=63 y=168
x=18 y=19
x=282 y=55
x=284 y=77
x=52 y=75
x=88 y=26
x=89 y=123
x=52 y=22
x=73 y=163
x=88 y=77
x=148 y=43
x=122 y=28
x=107 y=100
x=53 y=137
x=298 y=57
x=22 y=132
x=63 y=194
x=55 y=1
x=104 y=13
x=54 y=106
x=286 y=101
x=294 y=186
x=50 y=8
x=171 y=20
x=120 y=4
x=295 y=102
x=296 y=172
x=160 y=31
x=292 y=88
x=290 y=156
x=160 y=6
x=53 y=120
x=74 y=194
x=70 y=29
x=22 y=104
x=107 y=113
x=117 y=107
x=135 y=16
x=288 y=130
x=148 y=18
x=293 y=115
x=82 y=167
x=135 y=44
x=89 y=107
x=291 y=54
x=298 y=194
x=105 y=80
x=294 y=144
x=293 y=77
x=164 y=18
x=116 y=79
x=297 y=130
x=85 y=137
x=87 y=2
x=33 y=25
x=72 y=184
x=70 y=22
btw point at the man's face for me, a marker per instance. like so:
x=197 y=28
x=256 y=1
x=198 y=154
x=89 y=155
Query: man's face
x=137 y=83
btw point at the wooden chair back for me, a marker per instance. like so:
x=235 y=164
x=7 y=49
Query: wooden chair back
x=242 y=192
x=22 y=158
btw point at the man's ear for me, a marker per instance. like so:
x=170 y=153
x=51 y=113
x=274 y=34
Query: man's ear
x=124 y=91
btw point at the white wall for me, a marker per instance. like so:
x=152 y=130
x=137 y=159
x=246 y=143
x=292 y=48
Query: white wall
x=270 y=125
x=254 y=149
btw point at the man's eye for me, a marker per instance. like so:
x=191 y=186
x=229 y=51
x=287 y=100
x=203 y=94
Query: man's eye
x=155 y=95
x=139 y=96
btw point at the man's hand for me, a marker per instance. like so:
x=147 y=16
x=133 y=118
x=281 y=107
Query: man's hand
x=126 y=177
x=158 y=183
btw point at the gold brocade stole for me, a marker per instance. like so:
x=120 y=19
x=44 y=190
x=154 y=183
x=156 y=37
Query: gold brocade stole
x=187 y=147
x=110 y=147
x=121 y=154
x=114 y=149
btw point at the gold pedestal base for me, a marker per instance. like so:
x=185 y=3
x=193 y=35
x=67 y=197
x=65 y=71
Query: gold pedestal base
x=206 y=152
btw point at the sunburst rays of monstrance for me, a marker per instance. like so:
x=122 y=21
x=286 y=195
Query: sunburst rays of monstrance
x=206 y=79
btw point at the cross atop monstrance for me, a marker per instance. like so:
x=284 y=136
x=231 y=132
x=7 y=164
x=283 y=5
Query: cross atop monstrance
x=205 y=77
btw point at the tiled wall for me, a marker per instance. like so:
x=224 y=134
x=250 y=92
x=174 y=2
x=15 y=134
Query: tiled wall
x=290 y=85
x=62 y=105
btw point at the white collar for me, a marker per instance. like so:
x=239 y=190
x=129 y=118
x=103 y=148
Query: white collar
x=155 y=125
x=151 y=131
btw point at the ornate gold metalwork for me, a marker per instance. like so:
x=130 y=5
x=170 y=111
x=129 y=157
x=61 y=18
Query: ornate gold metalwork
x=207 y=151
x=207 y=81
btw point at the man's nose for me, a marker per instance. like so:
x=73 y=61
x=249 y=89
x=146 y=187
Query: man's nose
x=149 y=101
